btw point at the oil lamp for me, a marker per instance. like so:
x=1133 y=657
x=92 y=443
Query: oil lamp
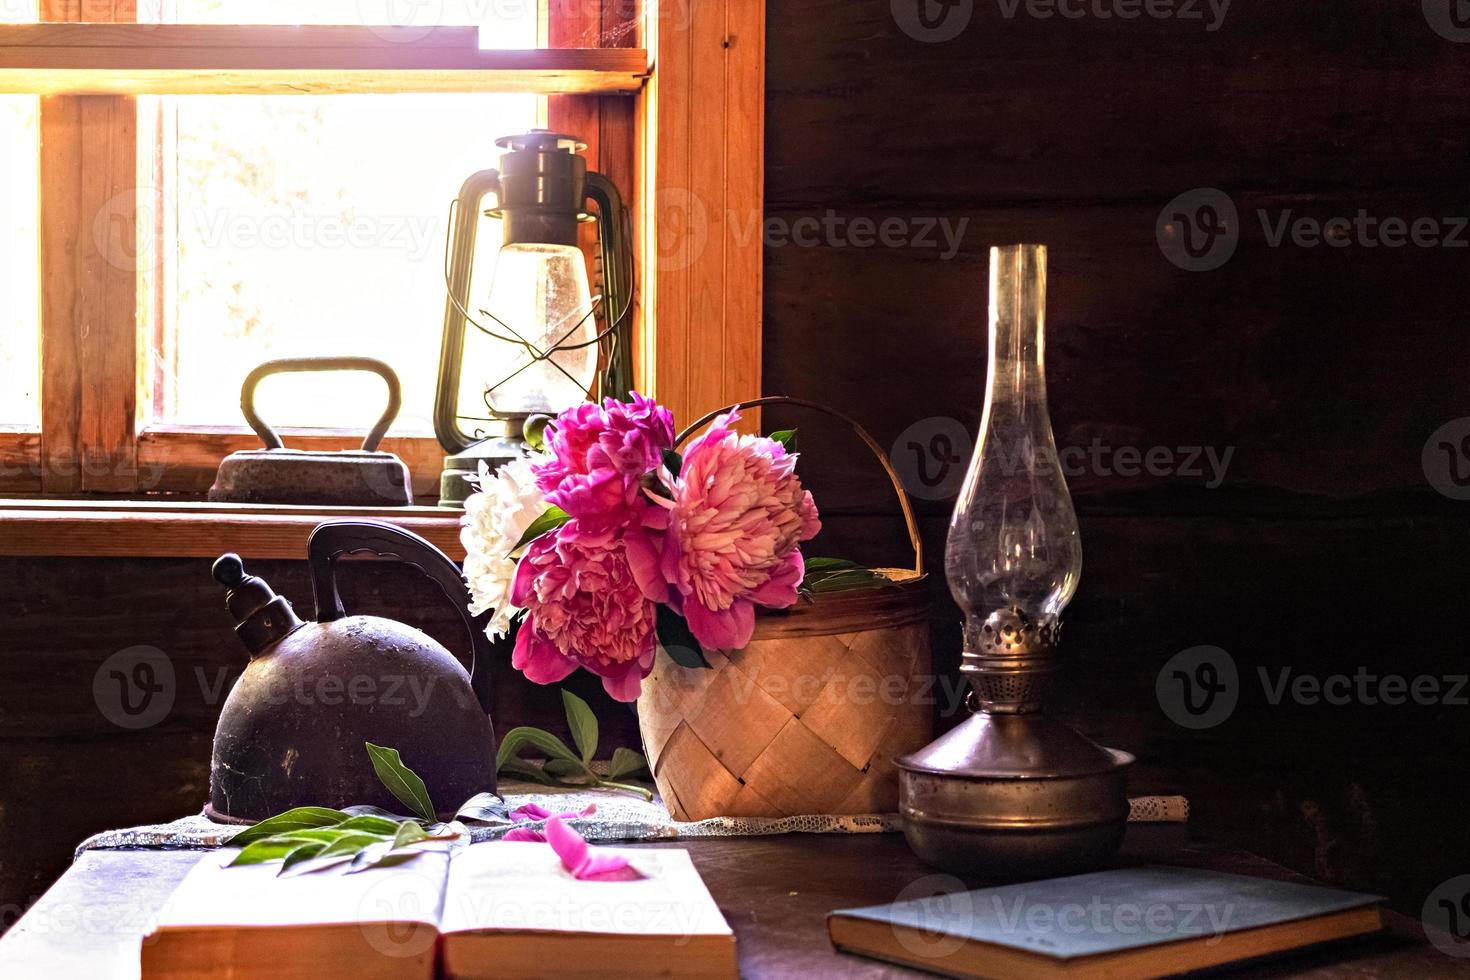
x=1012 y=792
x=544 y=340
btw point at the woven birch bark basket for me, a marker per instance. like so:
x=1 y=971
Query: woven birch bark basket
x=810 y=716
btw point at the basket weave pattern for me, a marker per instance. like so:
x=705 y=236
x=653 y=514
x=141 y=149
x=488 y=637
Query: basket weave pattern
x=809 y=717
x=796 y=723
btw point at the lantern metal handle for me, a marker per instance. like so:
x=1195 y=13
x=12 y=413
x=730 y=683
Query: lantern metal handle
x=289 y=365
x=617 y=282
x=464 y=230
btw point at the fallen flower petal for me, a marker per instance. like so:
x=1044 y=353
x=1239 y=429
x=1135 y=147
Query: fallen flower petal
x=587 y=863
x=524 y=835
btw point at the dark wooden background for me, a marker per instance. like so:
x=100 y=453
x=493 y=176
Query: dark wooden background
x=1324 y=370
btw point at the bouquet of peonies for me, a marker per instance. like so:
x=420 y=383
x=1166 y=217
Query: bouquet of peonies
x=609 y=542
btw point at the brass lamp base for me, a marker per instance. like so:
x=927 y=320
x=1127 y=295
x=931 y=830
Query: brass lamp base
x=1014 y=797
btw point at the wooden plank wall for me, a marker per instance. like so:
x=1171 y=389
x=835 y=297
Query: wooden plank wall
x=1323 y=370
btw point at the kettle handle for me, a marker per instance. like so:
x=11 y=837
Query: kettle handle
x=334 y=539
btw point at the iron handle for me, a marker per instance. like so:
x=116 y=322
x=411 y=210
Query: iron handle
x=291 y=365
x=332 y=540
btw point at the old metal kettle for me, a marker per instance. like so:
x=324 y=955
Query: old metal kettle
x=294 y=727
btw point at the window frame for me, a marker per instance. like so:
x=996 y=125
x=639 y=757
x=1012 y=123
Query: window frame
x=690 y=142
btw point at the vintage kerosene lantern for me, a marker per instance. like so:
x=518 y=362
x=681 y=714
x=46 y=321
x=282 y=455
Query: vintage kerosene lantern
x=542 y=339
x=1013 y=792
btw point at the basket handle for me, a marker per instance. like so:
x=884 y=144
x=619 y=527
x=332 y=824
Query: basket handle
x=903 y=498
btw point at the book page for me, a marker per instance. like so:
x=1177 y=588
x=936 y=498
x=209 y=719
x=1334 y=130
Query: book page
x=215 y=896
x=522 y=887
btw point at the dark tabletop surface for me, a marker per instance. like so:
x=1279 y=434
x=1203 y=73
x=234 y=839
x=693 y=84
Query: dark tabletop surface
x=775 y=891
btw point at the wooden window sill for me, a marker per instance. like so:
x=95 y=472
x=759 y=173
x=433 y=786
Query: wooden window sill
x=167 y=529
x=226 y=59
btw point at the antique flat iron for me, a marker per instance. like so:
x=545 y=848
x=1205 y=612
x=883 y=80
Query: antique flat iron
x=294 y=727
x=350 y=478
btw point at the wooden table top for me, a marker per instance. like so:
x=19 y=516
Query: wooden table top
x=775 y=891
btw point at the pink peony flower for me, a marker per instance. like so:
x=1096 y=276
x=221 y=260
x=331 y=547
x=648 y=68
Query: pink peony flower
x=599 y=454
x=590 y=600
x=736 y=521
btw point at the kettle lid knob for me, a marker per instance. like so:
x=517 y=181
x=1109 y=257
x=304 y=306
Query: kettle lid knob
x=261 y=616
x=229 y=571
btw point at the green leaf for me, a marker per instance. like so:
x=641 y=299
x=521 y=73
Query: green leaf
x=544 y=742
x=349 y=844
x=302 y=818
x=816 y=566
x=554 y=518
x=408 y=833
x=560 y=767
x=304 y=852
x=265 y=851
x=678 y=641
x=526 y=771
x=484 y=808
x=673 y=462
x=625 y=762
x=787 y=438
x=328 y=835
x=582 y=722
x=381 y=826
x=405 y=785
x=861 y=578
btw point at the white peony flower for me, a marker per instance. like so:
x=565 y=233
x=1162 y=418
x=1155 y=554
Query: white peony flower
x=496 y=518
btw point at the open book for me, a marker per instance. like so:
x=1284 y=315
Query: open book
x=491 y=910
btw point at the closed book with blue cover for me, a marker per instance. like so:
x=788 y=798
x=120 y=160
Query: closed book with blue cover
x=1133 y=922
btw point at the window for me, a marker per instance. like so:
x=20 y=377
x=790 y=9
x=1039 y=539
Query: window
x=20 y=308
x=194 y=221
x=289 y=226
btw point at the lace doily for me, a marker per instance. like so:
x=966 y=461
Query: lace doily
x=619 y=817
